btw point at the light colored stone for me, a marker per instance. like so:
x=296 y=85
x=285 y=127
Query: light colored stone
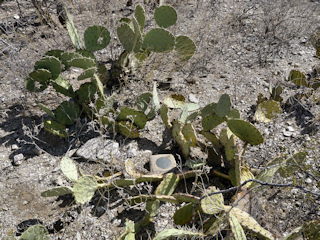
x=193 y=98
x=17 y=159
x=99 y=149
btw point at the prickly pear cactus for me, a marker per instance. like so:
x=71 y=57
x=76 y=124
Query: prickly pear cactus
x=35 y=232
x=158 y=40
x=140 y=16
x=245 y=131
x=129 y=114
x=50 y=63
x=96 y=38
x=223 y=106
x=67 y=112
x=165 y=16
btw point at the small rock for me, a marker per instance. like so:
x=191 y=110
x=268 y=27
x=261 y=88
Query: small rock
x=14 y=147
x=99 y=149
x=287 y=133
x=132 y=152
x=308 y=180
x=17 y=159
x=291 y=129
x=192 y=98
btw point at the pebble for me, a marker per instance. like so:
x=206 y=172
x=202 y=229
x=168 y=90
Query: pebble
x=291 y=129
x=99 y=149
x=193 y=98
x=287 y=133
x=14 y=147
x=17 y=159
x=308 y=180
x=132 y=152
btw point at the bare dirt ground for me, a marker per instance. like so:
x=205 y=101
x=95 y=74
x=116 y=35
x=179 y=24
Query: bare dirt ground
x=243 y=47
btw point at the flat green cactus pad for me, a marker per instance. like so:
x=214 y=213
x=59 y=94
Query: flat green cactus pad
x=127 y=129
x=63 y=86
x=50 y=63
x=158 y=40
x=55 y=128
x=185 y=47
x=165 y=16
x=55 y=53
x=84 y=189
x=129 y=39
x=96 y=38
x=234 y=113
x=88 y=73
x=212 y=204
x=129 y=114
x=208 y=110
x=245 y=131
x=143 y=101
x=35 y=232
x=236 y=228
x=267 y=111
x=184 y=214
x=85 y=94
x=69 y=168
x=211 y=121
x=223 y=106
x=58 y=191
x=67 y=112
x=139 y=15
x=83 y=62
x=38 y=80
x=68 y=56
x=298 y=78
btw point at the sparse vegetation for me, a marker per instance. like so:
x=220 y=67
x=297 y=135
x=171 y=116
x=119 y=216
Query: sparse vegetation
x=210 y=193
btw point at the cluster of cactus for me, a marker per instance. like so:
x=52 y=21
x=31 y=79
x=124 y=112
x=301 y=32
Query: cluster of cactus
x=138 y=45
x=225 y=147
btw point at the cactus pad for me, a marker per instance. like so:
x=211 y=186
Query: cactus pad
x=38 y=80
x=164 y=116
x=127 y=129
x=69 y=169
x=55 y=128
x=67 y=112
x=189 y=134
x=35 y=232
x=247 y=221
x=88 y=73
x=50 y=63
x=83 y=62
x=212 y=204
x=96 y=38
x=298 y=78
x=208 y=110
x=63 y=86
x=185 y=47
x=143 y=101
x=129 y=39
x=138 y=117
x=223 y=106
x=139 y=15
x=167 y=185
x=158 y=40
x=236 y=228
x=85 y=94
x=267 y=111
x=184 y=214
x=245 y=131
x=84 y=189
x=211 y=121
x=58 y=191
x=234 y=113
x=179 y=138
x=165 y=16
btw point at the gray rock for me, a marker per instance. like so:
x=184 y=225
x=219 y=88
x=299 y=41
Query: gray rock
x=193 y=98
x=17 y=159
x=99 y=149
